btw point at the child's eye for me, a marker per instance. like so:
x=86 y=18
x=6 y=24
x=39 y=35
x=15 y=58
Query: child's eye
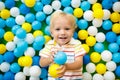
x=67 y=28
x=57 y=29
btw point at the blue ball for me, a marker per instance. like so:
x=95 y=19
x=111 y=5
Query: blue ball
x=21 y=33
x=82 y=24
x=15 y=28
x=85 y=5
x=118 y=40
x=43 y=73
x=99 y=47
x=22 y=45
x=35 y=60
x=113 y=47
x=37 y=46
x=117 y=71
x=86 y=59
x=48 y=20
x=36 y=25
x=65 y=3
x=68 y=10
x=18 y=53
x=111 y=36
x=14 y=67
x=9 y=57
x=40 y=16
x=107 y=25
x=116 y=57
x=107 y=4
x=9 y=3
x=2 y=23
x=10 y=22
x=47 y=30
x=46 y=2
x=30 y=17
x=1 y=77
x=24 y=9
x=38 y=6
x=2 y=31
x=39 y=40
x=75 y=35
x=60 y=57
x=1 y=59
x=8 y=76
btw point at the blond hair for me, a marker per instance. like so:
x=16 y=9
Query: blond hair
x=60 y=13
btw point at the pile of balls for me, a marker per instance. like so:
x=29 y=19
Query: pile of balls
x=24 y=30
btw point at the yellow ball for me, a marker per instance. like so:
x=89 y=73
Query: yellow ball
x=90 y=41
x=37 y=33
x=2 y=48
x=86 y=47
x=27 y=27
x=95 y=57
x=5 y=13
x=78 y=12
x=30 y=3
x=96 y=6
x=82 y=34
x=98 y=13
x=47 y=38
x=53 y=70
x=20 y=61
x=100 y=68
x=8 y=36
x=116 y=28
x=115 y=17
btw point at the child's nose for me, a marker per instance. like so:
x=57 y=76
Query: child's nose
x=62 y=31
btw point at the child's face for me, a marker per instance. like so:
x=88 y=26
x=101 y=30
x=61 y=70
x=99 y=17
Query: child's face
x=62 y=30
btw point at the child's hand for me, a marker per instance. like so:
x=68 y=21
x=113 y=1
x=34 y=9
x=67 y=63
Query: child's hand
x=61 y=70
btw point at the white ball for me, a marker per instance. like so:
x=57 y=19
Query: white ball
x=87 y=76
x=26 y=71
x=34 y=78
x=92 y=30
x=20 y=19
x=35 y=71
x=14 y=11
x=116 y=7
x=109 y=75
x=106 y=55
x=90 y=67
x=20 y=76
x=107 y=14
x=30 y=51
x=100 y=37
x=2 y=6
x=88 y=15
x=47 y=9
x=16 y=40
x=29 y=38
x=92 y=1
x=111 y=65
x=97 y=22
x=5 y=66
x=75 y=3
x=98 y=77
x=56 y=5
x=10 y=46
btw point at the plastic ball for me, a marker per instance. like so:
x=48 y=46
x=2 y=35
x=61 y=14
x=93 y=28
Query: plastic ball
x=95 y=57
x=34 y=78
x=5 y=66
x=82 y=24
x=47 y=38
x=88 y=15
x=78 y=12
x=75 y=3
x=92 y=1
x=97 y=22
x=115 y=57
x=16 y=40
x=113 y=47
x=24 y=9
x=40 y=16
x=2 y=31
x=47 y=20
x=30 y=17
x=100 y=37
x=35 y=60
x=2 y=48
x=27 y=27
x=20 y=19
x=60 y=58
x=90 y=67
x=47 y=9
x=38 y=6
x=39 y=40
x=109 y=75
x=53 y=70
x=8 y=36
x=111 y=65
x=107 y=25
x=100 y=15
x=2 y=23
x=5 y=13
x=56 y=5
x=90 y=41
x=116 y=28
x=86 y=47
x=18 y=52
x=30 y=52
x=115 y=17
x=29 y=38
x=21 y=33
x=36 y=25
x=92 y=30
x=2 y=5
x=46 y=2
x=99 y=47
x=96 y=6
x=14 y=11
x=37 y=46
x=10 y=22
x=15 y=28
x=44 y=73
x=35 y=71
x=37 y=33
x=20 y=76
x=87 y=76
x=47 y=30
x=1 y=58
x=107 y=4
x=75 y=35
x=98 y=77
x=85 y=5
x=26 y=71
x=106 y=55
x=1 y=77
x=22 y=45
x=65 y=3
x=100 y=68
x=14 y=67
x=118 y=40
x=68 y=10
x=9 y=3
x=107 y=14
x=86 y=59
x=109 y=35
x=8 y=76
x=30 y=3
x=82 y=34
x=116 y=7
x=117 y=71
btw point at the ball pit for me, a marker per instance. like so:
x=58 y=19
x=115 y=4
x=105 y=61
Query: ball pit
x=24 y=30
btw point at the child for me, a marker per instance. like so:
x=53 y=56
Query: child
x=62 y=27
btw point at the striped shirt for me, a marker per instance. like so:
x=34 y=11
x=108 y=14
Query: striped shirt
x=73 y=49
